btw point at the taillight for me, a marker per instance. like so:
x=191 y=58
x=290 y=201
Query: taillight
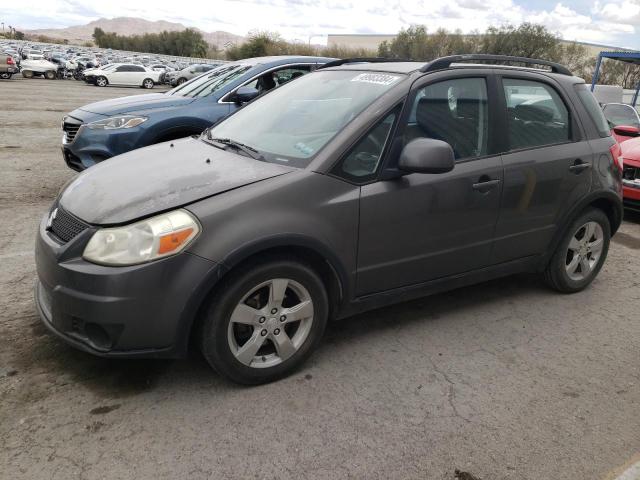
x=10 y=61
x=616 y=156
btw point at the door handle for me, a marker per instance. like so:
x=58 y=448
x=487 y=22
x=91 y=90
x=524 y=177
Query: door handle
x=579 y=166
x=485 y=184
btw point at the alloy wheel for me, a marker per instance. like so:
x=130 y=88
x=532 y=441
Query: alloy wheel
x=584 y=251
x=270 y=323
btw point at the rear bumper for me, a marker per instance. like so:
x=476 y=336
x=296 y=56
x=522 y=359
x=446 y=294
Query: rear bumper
x=138 y=311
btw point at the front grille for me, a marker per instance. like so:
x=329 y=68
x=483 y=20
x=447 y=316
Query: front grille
x=70 y=130
x=65 y=226
x=631 y=176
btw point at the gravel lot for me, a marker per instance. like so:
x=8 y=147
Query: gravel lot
x=506 y=380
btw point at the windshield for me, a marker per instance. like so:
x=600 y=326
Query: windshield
x=211 y=81
x=291 y=124
x=621 y=115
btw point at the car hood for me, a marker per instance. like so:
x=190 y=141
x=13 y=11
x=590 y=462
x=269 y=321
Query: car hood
x=135 y=103
x=631 y=151
x=159 y=178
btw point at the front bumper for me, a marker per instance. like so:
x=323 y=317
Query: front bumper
x=137 y=311
x=90 y=147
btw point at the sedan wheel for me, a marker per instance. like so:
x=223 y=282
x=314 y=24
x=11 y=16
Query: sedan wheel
x=148 y=83
x=101 y=82
x=50 y=75
x=264 y=321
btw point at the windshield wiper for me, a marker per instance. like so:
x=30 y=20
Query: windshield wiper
x=227 y=142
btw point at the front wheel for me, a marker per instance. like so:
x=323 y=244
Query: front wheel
x=264 y=322
x=50 y=75
x=181 y=81
x=581 y=254
x=102 y=81
x=147 y=83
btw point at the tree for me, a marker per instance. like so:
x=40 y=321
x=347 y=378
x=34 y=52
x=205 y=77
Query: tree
x=187 y=43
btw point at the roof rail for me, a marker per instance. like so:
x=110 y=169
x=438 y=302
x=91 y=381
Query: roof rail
x=445 y=62
x=344 y=61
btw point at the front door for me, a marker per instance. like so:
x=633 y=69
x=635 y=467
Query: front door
x=422 y=227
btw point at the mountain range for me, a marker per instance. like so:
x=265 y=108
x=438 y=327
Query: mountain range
x=126 y=25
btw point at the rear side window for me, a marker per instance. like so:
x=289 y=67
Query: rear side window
x=595 y=112
x=537 y=116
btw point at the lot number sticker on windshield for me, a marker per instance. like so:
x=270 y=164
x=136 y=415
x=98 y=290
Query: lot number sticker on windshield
x=377 y=78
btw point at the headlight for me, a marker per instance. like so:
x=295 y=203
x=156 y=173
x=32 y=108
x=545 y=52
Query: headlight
x=143 y=241
x=120 y=121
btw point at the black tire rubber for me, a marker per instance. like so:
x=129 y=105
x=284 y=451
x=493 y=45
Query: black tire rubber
x=50 y=75
x=5 y=75
x=27 y=74
x=181 y=80
x=556 y=275
x=144 y=81
x=216 y=314
x=98 y=79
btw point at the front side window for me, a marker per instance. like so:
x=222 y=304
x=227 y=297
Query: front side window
x=293 y=123
x=454 y=111
x=536 y=114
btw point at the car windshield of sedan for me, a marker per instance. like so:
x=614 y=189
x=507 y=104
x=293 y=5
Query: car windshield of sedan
x=291 y=124
x=215 y=79
x=618 y=114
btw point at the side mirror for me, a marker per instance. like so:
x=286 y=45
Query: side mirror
x=426 y=155
x=627 y=131
x=245 y=94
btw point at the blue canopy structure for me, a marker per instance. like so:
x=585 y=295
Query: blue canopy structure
x=627 y=57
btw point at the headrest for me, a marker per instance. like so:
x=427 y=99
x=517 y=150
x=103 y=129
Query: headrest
x=533 y=113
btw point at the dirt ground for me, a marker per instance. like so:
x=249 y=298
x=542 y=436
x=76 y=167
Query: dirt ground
x=505 y=380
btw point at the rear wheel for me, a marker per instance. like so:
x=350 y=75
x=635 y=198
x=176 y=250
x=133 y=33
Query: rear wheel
x=102 y=81
x=581 y=254
x=181 y=80
x=27 y=73
x=147 y=83
x=264 y=322
x=5 y=75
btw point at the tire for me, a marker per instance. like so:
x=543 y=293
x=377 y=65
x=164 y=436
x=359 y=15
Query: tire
x=102 y=81
x=50 y=75
x=147 y=83
x=578 y=259
x=5 y=75
x=27 y=73
x=181 y=80
x=223 y=340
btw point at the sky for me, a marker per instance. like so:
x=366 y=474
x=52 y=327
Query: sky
x=610 y=22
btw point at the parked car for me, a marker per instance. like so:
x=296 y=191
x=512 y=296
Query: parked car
x=38 y=68
x=89 y=75
x=128 y=75
x=629 y=139
x=190 y=72
x=353 y=187
x=7 y=66
x=621 y=114
x=101 y=130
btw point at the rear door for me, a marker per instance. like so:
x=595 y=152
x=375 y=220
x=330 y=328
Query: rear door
x=422 y=227
x=547 y=164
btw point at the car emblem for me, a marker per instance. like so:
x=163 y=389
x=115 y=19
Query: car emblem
x=51 y=218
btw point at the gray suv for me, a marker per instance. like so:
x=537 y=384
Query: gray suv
x=354 y=187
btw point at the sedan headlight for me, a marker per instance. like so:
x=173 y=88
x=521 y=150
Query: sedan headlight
x=119 y=121
x=144 y=241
